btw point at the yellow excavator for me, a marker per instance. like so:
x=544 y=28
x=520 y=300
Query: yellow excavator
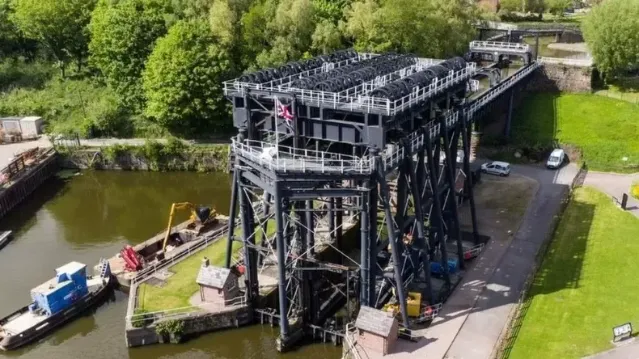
x=200 y=216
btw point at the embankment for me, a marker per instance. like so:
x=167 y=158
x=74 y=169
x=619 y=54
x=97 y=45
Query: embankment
x=152 y=156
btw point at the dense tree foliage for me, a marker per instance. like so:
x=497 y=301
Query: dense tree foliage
x=122 y=37
x=158 y=64
x=182 y=79
x=60 y=25
x=612 y=33
x=433 y=28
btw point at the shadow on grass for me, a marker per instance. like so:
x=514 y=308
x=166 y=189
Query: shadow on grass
x=563 y=263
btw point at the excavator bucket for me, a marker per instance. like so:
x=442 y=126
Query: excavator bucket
x=203 y=214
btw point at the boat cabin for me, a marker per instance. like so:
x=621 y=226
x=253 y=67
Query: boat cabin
x=376 y=330
x=59 y=293
x=217 y=285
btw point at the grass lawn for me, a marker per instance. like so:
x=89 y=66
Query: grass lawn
x=625 y=89
x=179 y=288
x=605 y=129
x=586 y=284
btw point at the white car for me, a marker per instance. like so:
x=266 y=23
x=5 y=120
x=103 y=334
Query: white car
x=496 y=168
x=556 y=158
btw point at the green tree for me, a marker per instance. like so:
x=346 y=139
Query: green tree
x=433 y=28
x=331 y=10
x=60 y=25
x=12 y=42
x=558 y=7
x=327 y=37
x=122 y=37
x=536 y=6
x=612 y=33
x=183 y=80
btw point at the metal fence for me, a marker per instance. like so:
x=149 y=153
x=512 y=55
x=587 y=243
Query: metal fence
x=145 y=319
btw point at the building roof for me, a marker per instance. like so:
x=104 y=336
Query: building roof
x=70 y=268
x=31 y=119
x=213 y=276
x=374 y=321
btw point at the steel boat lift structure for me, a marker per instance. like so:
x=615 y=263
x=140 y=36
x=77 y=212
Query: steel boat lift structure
x=320 y=144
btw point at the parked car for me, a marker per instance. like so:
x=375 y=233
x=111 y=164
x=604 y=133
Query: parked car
x=556 y=158
x=496 y=168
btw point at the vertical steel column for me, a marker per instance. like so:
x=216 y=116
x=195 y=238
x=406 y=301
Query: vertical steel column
x=233 y=210
x=451 y=164
x=509 y=117
x=339 y=230
x=310 y=234
x=281 y=263
x=364 y=294
x=265 y=212
x=305 y=294
x=421 y=173
x=437 y=208
x=421 y=241
x=372 y=210
x=331 y=217
x=469 y=181
x=250 y=258
x=395 y=248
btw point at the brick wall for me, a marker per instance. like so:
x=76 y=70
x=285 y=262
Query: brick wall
x=372 y=342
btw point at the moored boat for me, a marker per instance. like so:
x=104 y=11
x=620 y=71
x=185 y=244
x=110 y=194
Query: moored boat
x=55 y=302
x=5 y=238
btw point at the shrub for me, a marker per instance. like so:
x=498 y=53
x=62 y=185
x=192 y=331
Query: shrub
x=634 y=190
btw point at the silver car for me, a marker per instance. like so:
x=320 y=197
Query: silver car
x=497 y=168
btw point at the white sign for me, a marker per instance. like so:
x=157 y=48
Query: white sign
x=622 y=332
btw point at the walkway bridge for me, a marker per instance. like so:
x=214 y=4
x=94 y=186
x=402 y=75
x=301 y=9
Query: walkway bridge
x=316 y=145
x=500 y=49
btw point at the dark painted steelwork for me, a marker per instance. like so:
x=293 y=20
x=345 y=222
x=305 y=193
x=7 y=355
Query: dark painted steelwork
x=304 y=170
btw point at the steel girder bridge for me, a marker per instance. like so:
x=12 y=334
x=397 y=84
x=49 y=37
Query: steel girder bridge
x=348 y=177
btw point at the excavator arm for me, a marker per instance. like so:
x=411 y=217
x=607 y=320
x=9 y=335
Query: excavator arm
x=196 y=217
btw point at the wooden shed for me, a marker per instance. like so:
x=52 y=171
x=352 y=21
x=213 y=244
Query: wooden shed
x=376 y=330
x=217 y=285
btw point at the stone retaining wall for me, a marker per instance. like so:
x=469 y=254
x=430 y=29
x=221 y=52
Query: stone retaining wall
x=194 y=324
x=560 y=77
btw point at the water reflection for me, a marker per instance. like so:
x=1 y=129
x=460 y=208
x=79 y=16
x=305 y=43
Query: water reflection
x=91 y=216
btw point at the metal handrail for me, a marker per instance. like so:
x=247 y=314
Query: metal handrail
x=289 y=159
x=181 y=312
x=352 y=99
x=350 y=329
x=500 y=45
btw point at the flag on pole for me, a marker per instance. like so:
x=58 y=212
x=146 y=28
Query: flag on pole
x=284 y=111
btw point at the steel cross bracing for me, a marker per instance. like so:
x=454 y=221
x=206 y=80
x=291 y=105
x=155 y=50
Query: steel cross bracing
x=311 y=198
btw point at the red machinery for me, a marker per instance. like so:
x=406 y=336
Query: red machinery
x=131 y=258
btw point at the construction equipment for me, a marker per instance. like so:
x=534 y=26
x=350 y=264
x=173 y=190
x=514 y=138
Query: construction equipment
x=200 y=216
x=418 y=312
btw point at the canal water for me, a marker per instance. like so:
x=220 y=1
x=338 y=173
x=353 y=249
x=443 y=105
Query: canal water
x=92 y=215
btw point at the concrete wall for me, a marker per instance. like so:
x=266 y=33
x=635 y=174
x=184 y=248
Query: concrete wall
x=193 y=325
x=559 y=77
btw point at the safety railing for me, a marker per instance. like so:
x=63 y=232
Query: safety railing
x=145 y=319
x=351 y=342
x=499 y=45
x=288 y=159
x=566 y=61
x=355 y=98
x=193 y=247
x=499 y=89
x=430 y=312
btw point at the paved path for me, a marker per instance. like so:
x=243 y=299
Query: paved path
x=615 y=185
x=623 y=351
x=474 y=317
x=7 y=151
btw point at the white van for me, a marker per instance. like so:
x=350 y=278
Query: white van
x=556 y=158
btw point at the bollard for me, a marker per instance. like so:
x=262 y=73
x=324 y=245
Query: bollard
x=624 y=201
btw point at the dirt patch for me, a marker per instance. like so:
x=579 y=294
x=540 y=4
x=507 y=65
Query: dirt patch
x=501 y=203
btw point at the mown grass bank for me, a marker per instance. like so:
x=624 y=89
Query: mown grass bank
x=586 y=283
x=605 y=130
x=181 y=286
